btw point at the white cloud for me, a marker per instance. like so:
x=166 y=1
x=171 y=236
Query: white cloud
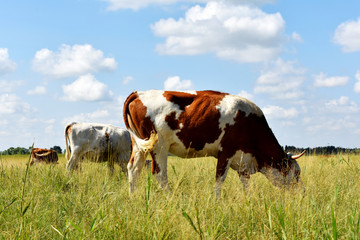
x=296 y=37
x=174 y=83
x=233 y=32
x=108 y=114
x=281 y=80
x=321 y=80
x=11 y=104
x=128 y=79
x=136 y=5
x=245 y=94
x=357 y=84
x=342 y=105
x=96 y=116
x=86 y=88
x=347 y=34
x=6 y=86
x=90 y=117
x=70 y=61
x=279 y=112
x=38 y=90
x=6 y=64
x=326 y=125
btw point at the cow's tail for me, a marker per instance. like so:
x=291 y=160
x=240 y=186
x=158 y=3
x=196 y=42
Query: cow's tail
x=126 y=113
x=144 y=145
x=67 y=140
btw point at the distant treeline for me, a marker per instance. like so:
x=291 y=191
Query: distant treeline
x=323 y=150
x=20 y=150
x=318 y=150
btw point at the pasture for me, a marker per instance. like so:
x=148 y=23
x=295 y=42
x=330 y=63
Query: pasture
x=44 y=202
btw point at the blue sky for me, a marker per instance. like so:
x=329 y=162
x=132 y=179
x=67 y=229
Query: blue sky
x=64 y=61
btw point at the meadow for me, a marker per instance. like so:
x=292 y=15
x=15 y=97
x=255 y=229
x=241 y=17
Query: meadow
x=44 y=202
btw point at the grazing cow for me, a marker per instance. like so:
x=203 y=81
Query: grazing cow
x=43 y=155
x=205 y=123
x=97 y=142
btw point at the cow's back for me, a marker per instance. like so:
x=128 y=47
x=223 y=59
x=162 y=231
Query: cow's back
x=191 y=123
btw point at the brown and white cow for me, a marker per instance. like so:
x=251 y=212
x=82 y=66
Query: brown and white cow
x=39 y=155
x=97 y=142
x=205 y=123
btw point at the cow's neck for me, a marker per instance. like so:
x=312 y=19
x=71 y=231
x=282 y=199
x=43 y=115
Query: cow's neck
x=271 y=151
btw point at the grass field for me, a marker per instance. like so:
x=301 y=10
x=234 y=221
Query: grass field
x=47 y=203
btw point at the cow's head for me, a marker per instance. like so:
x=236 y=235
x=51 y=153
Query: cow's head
x=285 y=173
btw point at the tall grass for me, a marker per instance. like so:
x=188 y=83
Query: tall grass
x=91 y=204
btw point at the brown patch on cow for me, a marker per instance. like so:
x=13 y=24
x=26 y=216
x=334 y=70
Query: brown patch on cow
x=132 y=158
x=172 y=121
x=135 y=117
x=154 y=166
x=252 y=134
x=128 y=100
x=199 y=120
x=182 y=99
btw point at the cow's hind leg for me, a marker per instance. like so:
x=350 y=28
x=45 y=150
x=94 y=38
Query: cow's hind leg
x=110 y=162
x=135 y=165
x=159 y=166
x=72 y=163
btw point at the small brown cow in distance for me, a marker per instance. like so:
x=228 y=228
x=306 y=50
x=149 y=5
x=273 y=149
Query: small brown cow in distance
x=39 y=155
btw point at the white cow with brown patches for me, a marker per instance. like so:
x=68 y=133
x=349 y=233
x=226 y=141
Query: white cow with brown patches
x=97 y=142
x=205 y=123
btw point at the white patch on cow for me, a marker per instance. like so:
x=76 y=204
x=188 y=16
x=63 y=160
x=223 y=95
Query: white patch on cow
x=190 y=92
x=244 y=163
x=230 y=104
x=210 y=149
x=158 y=107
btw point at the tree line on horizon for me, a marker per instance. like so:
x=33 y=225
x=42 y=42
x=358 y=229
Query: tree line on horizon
x=328 y=150
x=24 y=151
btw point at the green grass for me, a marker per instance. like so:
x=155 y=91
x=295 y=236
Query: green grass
x=89 y=204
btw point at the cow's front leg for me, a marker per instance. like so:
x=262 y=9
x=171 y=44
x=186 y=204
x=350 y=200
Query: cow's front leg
x=222 y=168
x=135 y=165
x=245 y=180
x=159 y=166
